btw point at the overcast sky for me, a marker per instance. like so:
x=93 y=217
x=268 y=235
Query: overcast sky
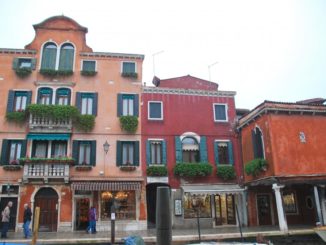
x=263 y=50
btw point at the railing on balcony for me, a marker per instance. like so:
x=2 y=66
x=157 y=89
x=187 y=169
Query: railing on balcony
x=45 y=124
x=55 y=172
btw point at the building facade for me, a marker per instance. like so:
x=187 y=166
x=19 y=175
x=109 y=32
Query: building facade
x=284 y=161
x=66 y=143
x=187 y=123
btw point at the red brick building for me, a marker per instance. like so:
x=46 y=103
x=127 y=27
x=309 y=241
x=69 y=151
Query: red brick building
x=188 y=120
x=290 y=139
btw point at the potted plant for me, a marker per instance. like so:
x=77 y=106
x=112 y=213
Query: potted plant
x=13 y=165
x=18 y=117
x=129 y=123
x=226 y=172
x=23 y=71
x=157 y=171
x=255 y=167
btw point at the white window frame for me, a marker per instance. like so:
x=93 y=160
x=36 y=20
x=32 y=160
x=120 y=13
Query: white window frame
x=126 y=61
x=82 y=64
x=226 y=112
x=155 y=119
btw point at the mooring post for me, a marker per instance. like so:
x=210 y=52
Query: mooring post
x=163 y=216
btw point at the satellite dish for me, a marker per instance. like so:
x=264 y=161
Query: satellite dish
x=156 y=81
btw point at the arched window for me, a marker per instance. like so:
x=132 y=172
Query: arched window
x=44 y=96
x=49 y=56
x=257 y=142
x=190 y=150
x=62 y=96
x=66 y=60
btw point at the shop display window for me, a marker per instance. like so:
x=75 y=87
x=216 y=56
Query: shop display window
x=123 y=201
x=194 y=201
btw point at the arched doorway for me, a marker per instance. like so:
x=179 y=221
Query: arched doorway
x=47 y=200
x=151 y=190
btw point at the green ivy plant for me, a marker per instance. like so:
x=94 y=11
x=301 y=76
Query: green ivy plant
x=88 y=73
x=130 y=74
x=255 y=167
x=226 y=172
x=23 y=72
x=54 y=111
x=18 y=117
x=157 y=171
x=129 y=123
x=192 y=169
x=53 y=73
x=63 y=159
x=85 y=122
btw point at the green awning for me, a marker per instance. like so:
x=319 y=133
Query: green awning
x=48 y=136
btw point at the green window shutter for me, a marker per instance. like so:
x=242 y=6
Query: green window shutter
x=15 y=63
x=148 y=152
x=178 y=150
x=119 y=153
x=66 y=60
x=23 y=149
x=230 y=149
x=136 y=153
x=33 y=62
x=136 y=105
x=119 y=105
x=95 y=101
x=75 y=151
x=203 y=149
x=88 y=65
x=49 y=56
x=93 y=153
x=4 y=152
x=29 y=98
x=78 y=101
x=254 y=143
x=164 y=152
x=128 y=67
x=10 y=102
x=216 y=152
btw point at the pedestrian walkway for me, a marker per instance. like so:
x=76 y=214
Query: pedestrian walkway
x=179 y=236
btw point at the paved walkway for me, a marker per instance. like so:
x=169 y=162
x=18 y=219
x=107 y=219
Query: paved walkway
x=179 y=236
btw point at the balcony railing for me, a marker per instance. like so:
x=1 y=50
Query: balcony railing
x=47 y=172
x=45 y=124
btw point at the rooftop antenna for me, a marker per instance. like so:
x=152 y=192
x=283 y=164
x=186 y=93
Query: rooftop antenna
x=159 y=52
x=209 y=70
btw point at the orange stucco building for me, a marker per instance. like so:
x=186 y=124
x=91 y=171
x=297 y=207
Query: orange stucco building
x=287 y=186
x=79 y=156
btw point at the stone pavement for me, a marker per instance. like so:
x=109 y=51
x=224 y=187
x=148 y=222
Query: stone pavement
x=179 y=236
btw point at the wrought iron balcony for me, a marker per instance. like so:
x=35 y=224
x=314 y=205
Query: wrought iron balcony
x=46 y=172
x=49 y=125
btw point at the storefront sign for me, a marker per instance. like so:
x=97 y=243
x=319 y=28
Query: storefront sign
x=177 y=207
x=157 y=180
x=112 y=216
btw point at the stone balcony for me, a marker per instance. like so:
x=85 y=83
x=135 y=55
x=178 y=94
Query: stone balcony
x=49 y=125
x=46 y=172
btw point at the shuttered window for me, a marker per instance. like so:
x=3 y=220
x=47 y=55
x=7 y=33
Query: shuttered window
x=63 y=96
x=223 y=152
x=66 y=60
x=49 y=56
x=155 y=152
x=128 y=67
x=44 y=96
x=128 y=105
x=18 y=100
x=127 y=153
x=87 y=103
x=84 y=152
x=12 y=150
x=89 y=65
x=257 y=143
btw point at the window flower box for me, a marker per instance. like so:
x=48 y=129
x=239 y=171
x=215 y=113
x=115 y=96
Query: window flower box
x=133 y=75
x=12 y=167
x=255 y=167
x=66 y=160
x=88 y=73
x=53 y=73
x=83 y=167
x=23 y=72
x=192 y=169
x=127 y=167
x=18 y=117
x=226 y=172
x=157 y=171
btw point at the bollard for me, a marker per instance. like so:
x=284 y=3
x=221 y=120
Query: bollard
x=163 y=217
x=112 y=223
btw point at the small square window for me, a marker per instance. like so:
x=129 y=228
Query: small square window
x=128 y=67
x=220 y=113
x=25 y=63
x=89 y=65
x=155 y=109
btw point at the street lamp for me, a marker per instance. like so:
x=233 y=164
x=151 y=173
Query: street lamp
x=106 y=147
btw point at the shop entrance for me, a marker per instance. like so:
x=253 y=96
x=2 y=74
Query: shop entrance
x=151 y=190
x=47 y=200
x=264 y=209
x=224 y=209
x=13 y=211
x=82 y=207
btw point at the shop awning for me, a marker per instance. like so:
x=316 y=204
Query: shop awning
x=48 y=136
x=106 y=185
x=212 y=189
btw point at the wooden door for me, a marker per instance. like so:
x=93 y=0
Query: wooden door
x=82 y=207
x=13 y=211
x=264 y=209
x=47 y=200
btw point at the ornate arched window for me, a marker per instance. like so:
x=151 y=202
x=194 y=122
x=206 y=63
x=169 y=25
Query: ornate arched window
x=62 y=96
x=257 y=142
x=190 y=150
x=66 y=60
x=49 y=56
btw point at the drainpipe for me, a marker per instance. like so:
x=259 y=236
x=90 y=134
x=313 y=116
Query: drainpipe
x=280 y=211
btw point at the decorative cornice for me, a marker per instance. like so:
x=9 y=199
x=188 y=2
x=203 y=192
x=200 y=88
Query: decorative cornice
x=113 y=55
x=16 y=51
x=177 y=91
x=278 y=108
x=54 y=83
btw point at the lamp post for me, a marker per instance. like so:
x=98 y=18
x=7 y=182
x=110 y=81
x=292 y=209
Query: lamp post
x=196 y=203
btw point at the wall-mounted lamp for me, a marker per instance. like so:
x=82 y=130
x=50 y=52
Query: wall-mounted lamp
x=106 y=147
